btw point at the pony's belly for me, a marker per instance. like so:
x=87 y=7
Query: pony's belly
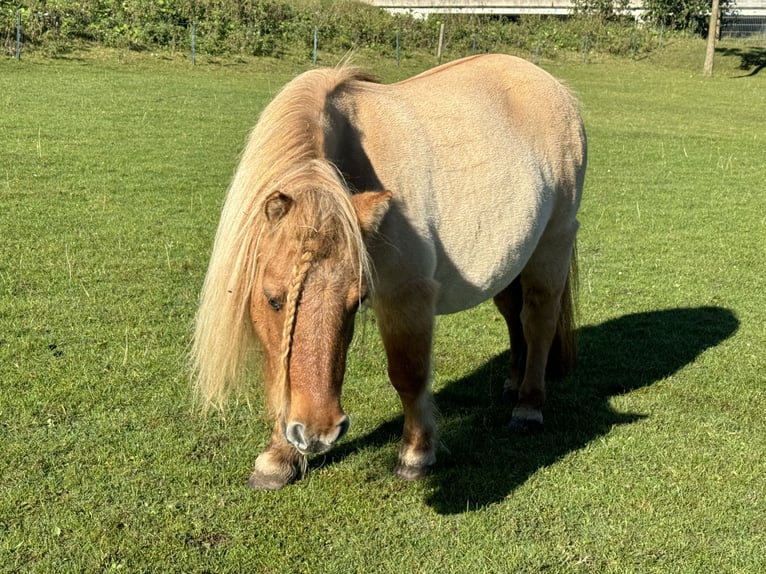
x=477 y=257
x=463 y=287
x=454 y=300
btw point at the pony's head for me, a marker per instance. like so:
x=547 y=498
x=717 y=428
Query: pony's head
x=289 y=268
x=311 y=276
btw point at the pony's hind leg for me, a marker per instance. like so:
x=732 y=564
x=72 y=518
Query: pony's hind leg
x=406 y=321
x=509 y=302
x=278 y=465
x=545 y=284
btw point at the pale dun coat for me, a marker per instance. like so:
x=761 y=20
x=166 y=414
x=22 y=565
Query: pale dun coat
x=474 y=171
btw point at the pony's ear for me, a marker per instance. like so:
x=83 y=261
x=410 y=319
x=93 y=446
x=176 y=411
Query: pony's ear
x=277 y=206
x=370 y=207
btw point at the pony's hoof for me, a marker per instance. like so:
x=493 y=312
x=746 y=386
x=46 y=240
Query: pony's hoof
x=260 y=481
x=525 y=427
x=412 y=472
x=526 y=420
x=272 y=474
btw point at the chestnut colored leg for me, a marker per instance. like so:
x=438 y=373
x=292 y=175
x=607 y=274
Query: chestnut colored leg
x=406 y=322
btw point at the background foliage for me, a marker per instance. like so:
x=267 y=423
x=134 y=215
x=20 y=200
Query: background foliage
x=690 y=15
x=280 y=27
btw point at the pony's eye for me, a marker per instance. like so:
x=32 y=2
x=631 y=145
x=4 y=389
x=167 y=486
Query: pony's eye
x=275 y=303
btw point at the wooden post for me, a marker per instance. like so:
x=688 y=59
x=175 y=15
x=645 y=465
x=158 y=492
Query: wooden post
x=707 y=68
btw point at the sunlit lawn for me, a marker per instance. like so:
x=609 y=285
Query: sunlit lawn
x=112 y=174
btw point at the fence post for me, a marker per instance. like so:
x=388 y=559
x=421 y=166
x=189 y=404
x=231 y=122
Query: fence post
x=194 y=43
x=585 y=49
x=397 y=47
x=441 y=42
x=315 y=46
x=18 y=36
x=634 y=42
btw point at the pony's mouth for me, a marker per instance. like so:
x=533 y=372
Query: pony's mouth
x=316 y=448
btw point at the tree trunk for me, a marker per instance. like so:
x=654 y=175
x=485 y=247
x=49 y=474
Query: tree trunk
x=707 y=69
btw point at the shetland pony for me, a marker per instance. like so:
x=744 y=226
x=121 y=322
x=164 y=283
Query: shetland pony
x=423 y=197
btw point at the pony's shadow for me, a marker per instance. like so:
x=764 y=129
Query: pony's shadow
x=482 y=462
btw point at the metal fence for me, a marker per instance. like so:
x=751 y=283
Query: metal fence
x=743 y=26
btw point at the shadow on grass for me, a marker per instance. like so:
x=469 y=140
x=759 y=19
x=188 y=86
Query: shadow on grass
x=484 y=462
x=752 y=59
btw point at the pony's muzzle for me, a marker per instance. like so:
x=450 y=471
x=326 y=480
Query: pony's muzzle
x=297 y=435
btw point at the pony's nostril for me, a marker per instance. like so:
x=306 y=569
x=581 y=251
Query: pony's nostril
x=295 y=433
x=343 y=428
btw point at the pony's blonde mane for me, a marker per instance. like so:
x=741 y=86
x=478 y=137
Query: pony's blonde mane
x=284 y=153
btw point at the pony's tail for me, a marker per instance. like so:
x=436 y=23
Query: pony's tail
x=563 y=354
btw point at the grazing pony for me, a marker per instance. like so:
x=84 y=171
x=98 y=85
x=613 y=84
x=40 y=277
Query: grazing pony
x=423 y=197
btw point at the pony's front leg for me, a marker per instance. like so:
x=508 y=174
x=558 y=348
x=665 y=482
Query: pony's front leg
x=406 y=325
x=278 y=465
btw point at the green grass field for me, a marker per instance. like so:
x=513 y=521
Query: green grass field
x=112 y=173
